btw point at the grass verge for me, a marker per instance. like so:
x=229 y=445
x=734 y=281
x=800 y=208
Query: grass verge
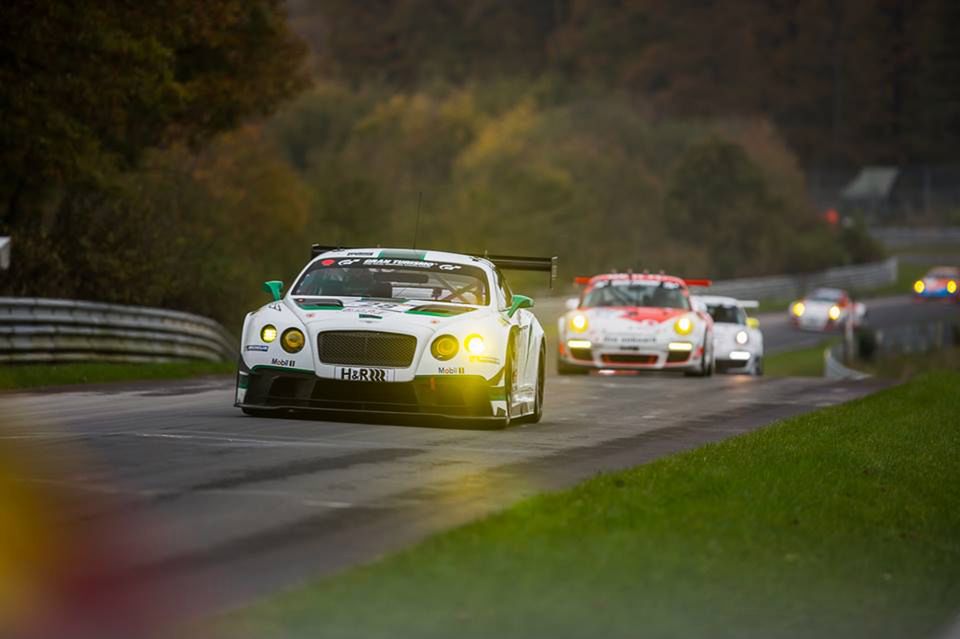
x=14 y=377
x=839 y=523
x=802 y=362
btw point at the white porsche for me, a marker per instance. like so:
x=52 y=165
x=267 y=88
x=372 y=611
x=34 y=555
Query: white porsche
x=738 y=342
x=397 y=331
x=635 y=321
x=827 y=309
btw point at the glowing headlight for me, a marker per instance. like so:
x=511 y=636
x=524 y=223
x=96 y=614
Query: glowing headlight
x=951 y=287
x=578 y=343
x=919 y=286
x=742 y=337
x=579 y=323
x=683 y=326
x=834 y=313
x=268 y=333
x=798 y=308
x=474 y=344
x=444 y=347
x=292 y=340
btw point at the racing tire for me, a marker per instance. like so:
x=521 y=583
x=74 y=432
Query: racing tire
x=705 y=369
x=758 y=368
x=537 y=413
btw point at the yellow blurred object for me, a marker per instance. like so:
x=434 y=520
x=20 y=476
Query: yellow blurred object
x=292 y=340
x=798 y=309
x=579 y=323
x=444 y=347
x=683 y=326
x=951 y=287
x=474 y=344
x=919 y=286
x=834 y=313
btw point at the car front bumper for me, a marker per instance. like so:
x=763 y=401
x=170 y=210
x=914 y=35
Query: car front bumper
x=461 y=396
x=657 y=356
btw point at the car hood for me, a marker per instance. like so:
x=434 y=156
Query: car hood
x=378 y=314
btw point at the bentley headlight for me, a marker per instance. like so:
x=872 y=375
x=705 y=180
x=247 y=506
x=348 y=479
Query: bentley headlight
x=579 y=323
x=474 y=344
x=444 y=347
x=292 y=340
x=268 y=333
x=742 y=337
x=683 y=326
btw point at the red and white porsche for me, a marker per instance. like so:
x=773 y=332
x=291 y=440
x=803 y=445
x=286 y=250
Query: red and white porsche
x=635 y=321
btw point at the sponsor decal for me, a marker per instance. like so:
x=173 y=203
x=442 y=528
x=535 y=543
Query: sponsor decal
x=450 y=370
x=393 y=262
x=360 y=253
x=262 y=348
x=484 y=359
x=364 y=374
x=283 y=362
x=275 y=306
x=449 y=267
x=347 y=262
x=327 y=262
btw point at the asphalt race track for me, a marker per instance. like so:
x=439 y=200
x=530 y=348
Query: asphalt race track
x=238 y=507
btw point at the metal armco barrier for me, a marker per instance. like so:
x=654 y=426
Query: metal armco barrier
x=53 y=330
x=833 y=369
x=782 y=287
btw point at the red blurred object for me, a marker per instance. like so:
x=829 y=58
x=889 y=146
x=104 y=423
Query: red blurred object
x=581 y=280
x=696 y=282
x=832 y=217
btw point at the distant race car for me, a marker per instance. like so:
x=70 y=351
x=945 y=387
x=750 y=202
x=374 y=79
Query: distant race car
x=738 y=342
x=397 y=331
x=631 y=321
x=826 y=309
x=939 y=283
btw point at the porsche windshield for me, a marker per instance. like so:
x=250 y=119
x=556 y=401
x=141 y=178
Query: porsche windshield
x=648 y=293
x=395 y=279
x=724 y=314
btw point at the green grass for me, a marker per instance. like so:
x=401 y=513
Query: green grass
x=38 y=375
x=839 y=523
x=909 y=365
x=802 y=362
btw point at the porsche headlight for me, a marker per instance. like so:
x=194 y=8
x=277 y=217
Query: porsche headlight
x=268 y=333
x=834 y=313
x=683 y=326
x=474 y=344
x=798 y=309
x=292 y=340
x=579 y=323
x=444 y=347
x=919 y=286
x=742 y=337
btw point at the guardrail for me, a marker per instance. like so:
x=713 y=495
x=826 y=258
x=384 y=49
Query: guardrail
x=905 y=236
x=54 y=330
x=861 y=276
x=834 y=369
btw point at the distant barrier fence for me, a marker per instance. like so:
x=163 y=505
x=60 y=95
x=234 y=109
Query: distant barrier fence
x=861 y=276
x=907 y=236
x=54 y=330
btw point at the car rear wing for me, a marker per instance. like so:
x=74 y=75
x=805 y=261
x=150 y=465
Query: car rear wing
x=504 y=262
x=749 y=303
x=697 y=282
x=520 y=263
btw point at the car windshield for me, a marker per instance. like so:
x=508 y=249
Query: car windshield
x=725 y=314
x=394 y=279
x=826 y=295
x=637 y=293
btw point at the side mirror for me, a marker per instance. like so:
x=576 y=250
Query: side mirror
x=572 y=303
x=519 y=301
x=753 y=322
x=275 y=288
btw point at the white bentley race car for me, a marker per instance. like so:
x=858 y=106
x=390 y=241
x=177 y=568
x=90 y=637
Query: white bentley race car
x=396 y=331
x=738 y=342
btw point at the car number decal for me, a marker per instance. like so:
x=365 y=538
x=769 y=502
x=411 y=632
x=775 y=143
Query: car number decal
x=355 y=374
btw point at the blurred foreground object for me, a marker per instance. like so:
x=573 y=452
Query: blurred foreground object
x=4 y=253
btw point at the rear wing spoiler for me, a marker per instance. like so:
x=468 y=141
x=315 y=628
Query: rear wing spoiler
x=697 y=282
x=505 y=262
x=749 y=303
